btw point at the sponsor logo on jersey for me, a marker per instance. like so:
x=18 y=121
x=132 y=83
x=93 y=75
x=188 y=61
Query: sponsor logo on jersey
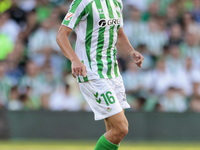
x=111 y=22
x=69 y=16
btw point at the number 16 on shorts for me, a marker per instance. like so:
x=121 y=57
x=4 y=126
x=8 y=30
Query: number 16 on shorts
x=107 y=97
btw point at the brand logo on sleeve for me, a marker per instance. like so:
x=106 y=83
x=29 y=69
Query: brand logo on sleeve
x=69 y=16
x=111 y=22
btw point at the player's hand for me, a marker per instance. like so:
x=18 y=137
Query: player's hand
x=78 y=68
x=137 y=58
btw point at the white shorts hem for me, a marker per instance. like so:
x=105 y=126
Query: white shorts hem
x=108 y=115
x=126 y=106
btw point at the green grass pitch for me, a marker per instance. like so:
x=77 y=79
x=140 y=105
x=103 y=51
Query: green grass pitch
x=78 y=145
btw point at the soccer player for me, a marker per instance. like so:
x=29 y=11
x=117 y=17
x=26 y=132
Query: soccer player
x=99 y=28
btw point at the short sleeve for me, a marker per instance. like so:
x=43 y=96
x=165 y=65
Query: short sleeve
x=122 y=20
x=120 y=4
x=74 y=15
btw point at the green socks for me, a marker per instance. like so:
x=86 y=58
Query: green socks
x=104 y=144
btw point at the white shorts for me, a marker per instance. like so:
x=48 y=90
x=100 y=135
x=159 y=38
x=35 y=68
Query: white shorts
x=106 y=97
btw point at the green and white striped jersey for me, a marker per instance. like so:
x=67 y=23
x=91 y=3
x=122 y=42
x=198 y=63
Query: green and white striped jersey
x=96 y=23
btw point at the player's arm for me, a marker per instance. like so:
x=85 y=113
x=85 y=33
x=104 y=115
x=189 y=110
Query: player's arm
x=78 y=68
x=123 y=44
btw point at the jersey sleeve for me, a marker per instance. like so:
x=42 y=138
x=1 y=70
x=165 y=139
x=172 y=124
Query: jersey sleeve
x=120 y=4
x=122 y=20
x=74 y=15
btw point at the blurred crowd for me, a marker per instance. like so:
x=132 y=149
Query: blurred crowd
x=35 y=75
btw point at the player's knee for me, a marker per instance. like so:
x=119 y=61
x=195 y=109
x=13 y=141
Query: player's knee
x=125 y=128
x=122 y=130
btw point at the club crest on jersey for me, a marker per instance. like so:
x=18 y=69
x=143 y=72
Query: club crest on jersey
x=116 y=6
x=109 y=109
x=69 y=15
x=110 y=22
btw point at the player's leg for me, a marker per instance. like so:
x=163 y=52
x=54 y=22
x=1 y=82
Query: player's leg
x=107 y=124
x=118 y=129
x=108 y=127
x=107 y=103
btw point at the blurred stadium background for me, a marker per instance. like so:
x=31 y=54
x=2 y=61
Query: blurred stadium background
x=39 y=98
